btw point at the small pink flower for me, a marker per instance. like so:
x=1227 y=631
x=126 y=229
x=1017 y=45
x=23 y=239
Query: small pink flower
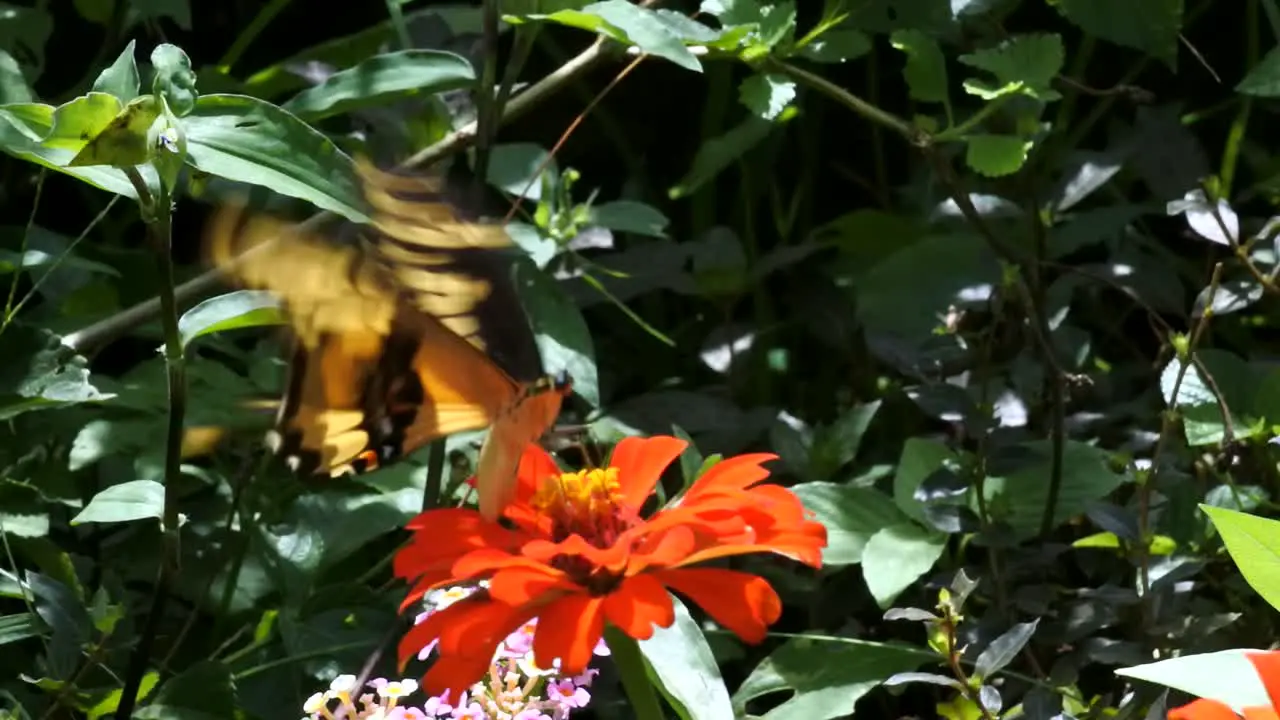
x=469 y=712
x=531 y=714
x=567 y=694
x=438 y=705
x=412 y=713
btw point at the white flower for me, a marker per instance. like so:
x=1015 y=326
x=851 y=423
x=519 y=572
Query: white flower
x=343 y=684
x=315 y=703
x=398 y=689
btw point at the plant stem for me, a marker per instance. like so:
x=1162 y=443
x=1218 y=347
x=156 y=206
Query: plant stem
x=159 y=214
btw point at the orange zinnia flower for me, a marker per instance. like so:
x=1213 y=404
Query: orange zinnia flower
x=580 y=555
x=1268 y=666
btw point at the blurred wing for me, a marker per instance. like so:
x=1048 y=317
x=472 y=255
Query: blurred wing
x=372 y=377
x=522 y=422
x=455 y=269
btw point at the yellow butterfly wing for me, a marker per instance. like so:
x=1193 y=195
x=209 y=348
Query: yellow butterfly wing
x=371 y=376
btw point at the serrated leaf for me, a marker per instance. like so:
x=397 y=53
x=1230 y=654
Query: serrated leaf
x=766 y=96
x=239 y=309
x=926 y=68
x=996 y=155
x=133 y=500
x=1027 y=63
x=1151 y=26
x=381 y=79
x=242 y=138
x=630 y=24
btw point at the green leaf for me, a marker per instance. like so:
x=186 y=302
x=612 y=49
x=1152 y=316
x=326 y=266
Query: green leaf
x=514 y=168
x=121 y=77
x=239 y=309
x=246 y=139
x=23 y=127
x=111 y=701
x=563 y=338
x=852 y=515
x=718 y=153
x=837 y=45
x=1226 y=676
x=204 y=691
x=1023 y=63
x=174 y=80
x=1203 y=421
x=1263 y=79
x=38 y=372
x=20 y=626
x=1151 y=26
x=631 y=217
x=828 y=675
x=919 y=459
x=77 y=121
x=996 y=155
x=133 y=500
x=766 y=96
x=630 y=24
x=382 y=79
x=897 y=556
x=24 y=33
x=926 y=68
x=836 y=445
x=61 y=609
x=684 y=669
x=124 y=141
x=13 y=83
x=1254 y=545
x=23 y=510
x=1019 y=497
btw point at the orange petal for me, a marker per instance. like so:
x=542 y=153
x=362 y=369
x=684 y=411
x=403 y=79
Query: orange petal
x=535 y=466
x=1203 y=709
x=742 y=602
x=612 y=558
x=640 y=462
x=569 y=629
x=1260 y=713
x=528 y=583
x=640 y=603
x=736 y=473
x=1268 y=666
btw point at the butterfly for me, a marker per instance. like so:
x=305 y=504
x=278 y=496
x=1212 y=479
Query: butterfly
x=408 y=331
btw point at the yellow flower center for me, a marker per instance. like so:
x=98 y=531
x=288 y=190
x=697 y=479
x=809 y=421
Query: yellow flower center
x=583 y=503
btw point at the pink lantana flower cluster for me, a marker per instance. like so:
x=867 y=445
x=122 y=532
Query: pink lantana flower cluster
x=514 y=688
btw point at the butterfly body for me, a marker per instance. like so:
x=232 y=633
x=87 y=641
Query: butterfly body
x=409 y=333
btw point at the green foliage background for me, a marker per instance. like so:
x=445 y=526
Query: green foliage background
x=995 y=279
